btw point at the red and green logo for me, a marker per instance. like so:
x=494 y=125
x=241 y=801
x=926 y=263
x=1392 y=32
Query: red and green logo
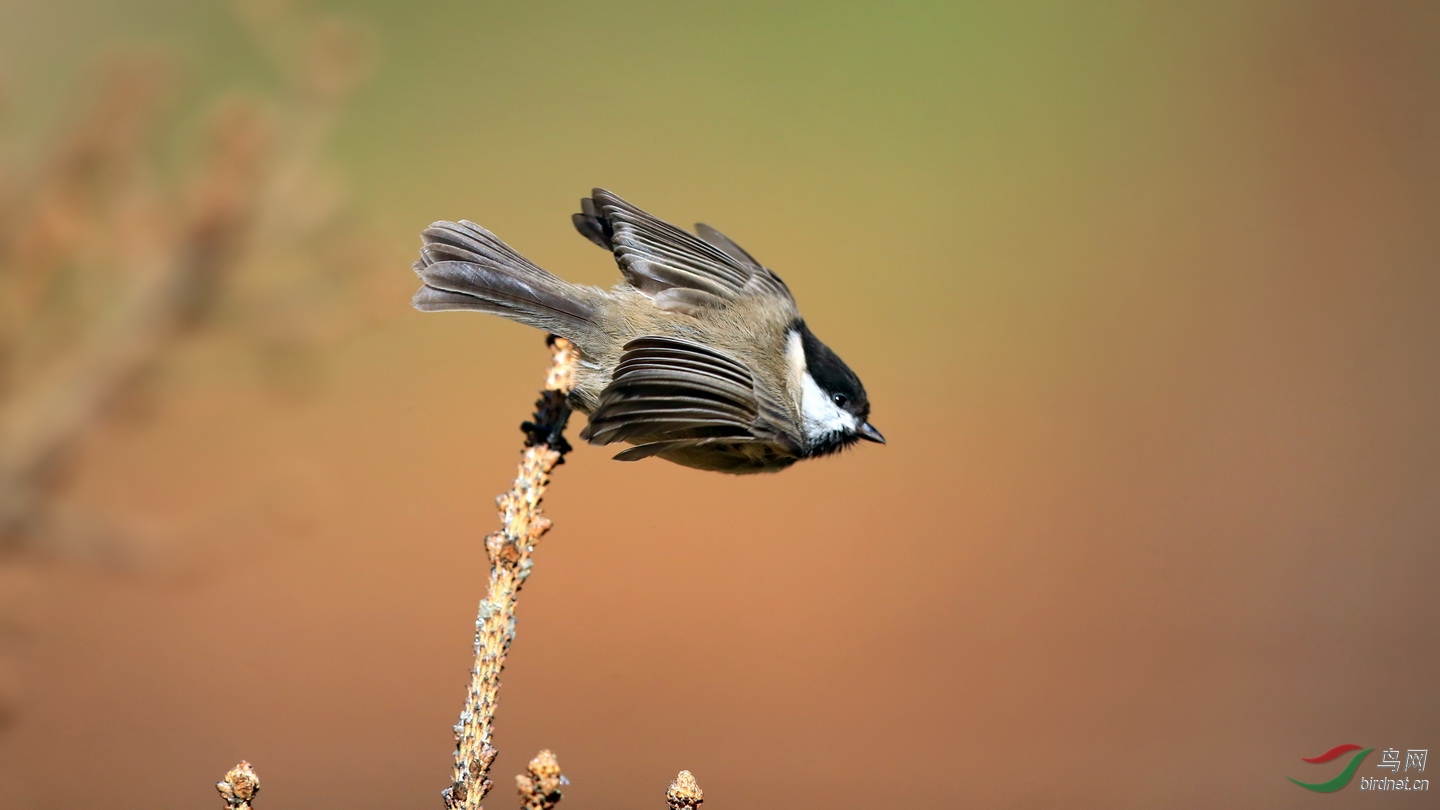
x=1341 y=779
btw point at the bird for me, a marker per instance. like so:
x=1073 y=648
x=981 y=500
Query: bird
x=699 y=356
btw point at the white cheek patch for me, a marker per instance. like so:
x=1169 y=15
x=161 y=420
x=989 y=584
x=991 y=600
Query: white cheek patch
x=820 y=416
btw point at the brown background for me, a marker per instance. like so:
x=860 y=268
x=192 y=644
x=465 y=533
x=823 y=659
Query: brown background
x=1146 y=300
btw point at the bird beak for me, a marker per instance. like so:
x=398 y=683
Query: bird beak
x=870 y=434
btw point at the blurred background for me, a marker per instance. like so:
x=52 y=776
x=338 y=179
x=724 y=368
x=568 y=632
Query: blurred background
x=1145 y=296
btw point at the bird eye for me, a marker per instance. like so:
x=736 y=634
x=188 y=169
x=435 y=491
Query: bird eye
x=840 y=400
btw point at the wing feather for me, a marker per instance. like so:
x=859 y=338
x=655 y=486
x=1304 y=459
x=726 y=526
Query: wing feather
x=668 y=389
x=681 y=271
x=643 y=451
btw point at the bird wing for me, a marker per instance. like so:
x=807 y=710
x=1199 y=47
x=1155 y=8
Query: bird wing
x=681 y=393
x=680 y=271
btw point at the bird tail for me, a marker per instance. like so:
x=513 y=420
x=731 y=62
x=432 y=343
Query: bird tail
x=465 y=267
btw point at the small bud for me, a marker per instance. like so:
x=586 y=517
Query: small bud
x=540 y=789
x=684 y=792
x=239 y=786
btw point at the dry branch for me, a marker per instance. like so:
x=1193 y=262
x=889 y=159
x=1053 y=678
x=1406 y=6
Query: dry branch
x=130 y=240
x=509 y=550
x=42 y=423
x=110 y=259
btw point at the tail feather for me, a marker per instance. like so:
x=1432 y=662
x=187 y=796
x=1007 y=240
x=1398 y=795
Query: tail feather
x=465 y=267
x=465 y=241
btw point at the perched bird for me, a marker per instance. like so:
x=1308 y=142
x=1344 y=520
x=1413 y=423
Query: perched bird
x=700 y=357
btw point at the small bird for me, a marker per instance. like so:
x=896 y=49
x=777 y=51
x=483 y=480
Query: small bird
x=699 y=357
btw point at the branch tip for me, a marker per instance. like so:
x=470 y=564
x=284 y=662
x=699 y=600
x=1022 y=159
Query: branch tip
x=552 y=410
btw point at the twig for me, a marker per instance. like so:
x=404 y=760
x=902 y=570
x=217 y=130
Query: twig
x=509 y=549
x=239 y=786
